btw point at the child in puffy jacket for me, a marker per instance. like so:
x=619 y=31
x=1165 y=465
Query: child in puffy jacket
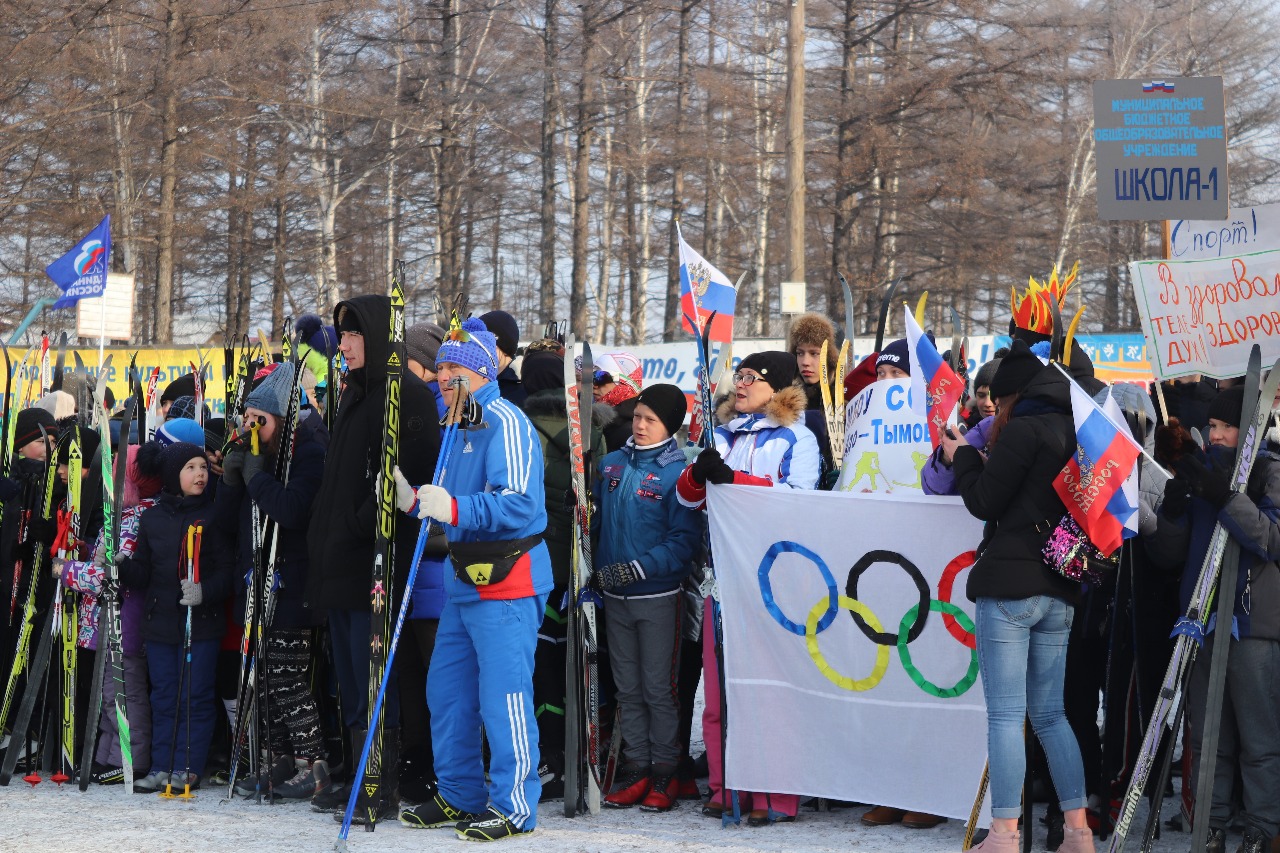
x=182 y=695
x=647 y=543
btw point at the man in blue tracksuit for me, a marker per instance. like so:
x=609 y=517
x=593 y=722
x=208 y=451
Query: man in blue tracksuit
x=491 y=503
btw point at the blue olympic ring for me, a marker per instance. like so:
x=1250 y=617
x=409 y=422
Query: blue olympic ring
x=766 y=587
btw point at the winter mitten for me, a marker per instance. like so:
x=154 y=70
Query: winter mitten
x=435 y=503
x=1177 y=495
x=233 y=468
x=620 y=574
x=55 y=568
x=192 y=595
x=1209 y=483
x=710 y=467
x=253 y=463
x=405 y=495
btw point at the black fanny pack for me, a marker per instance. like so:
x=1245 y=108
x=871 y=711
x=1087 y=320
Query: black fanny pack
x=485 y=563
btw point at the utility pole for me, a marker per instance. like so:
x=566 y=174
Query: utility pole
x=795 y=142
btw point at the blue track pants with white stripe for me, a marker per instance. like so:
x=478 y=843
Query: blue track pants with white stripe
x=482 y=672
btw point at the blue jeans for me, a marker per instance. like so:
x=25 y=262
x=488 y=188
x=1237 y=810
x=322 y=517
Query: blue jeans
x=1022 y=649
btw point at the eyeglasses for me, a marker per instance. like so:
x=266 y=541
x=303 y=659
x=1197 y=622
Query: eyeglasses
x=746 y=379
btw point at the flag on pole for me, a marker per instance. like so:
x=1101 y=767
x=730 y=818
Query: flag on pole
x=704 y=289
x=935 y=387
x=1099 y=484
x=82 y=272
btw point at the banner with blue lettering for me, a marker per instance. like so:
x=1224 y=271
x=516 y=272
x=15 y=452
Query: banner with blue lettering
x=82 y=272
x=850 y=660
x=885 y=442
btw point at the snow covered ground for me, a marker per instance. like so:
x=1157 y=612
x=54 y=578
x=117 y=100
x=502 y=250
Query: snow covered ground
x=104 y=820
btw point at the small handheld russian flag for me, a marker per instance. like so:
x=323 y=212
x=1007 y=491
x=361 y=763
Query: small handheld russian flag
x=703 y=290
x=935 y=387
x=1100 y=483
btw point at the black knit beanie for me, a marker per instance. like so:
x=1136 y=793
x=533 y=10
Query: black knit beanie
x=668 y=403
x=1227 y=406
x=176 y=456
x=542 y=370
x=775 y=367
x=1016 y=369
x=27 y=428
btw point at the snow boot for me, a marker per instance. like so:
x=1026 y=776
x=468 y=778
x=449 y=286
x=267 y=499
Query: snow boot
x=493 y=825
x=388 y=786
x=1001 y=842
x=631 y=786
x=1254 y=842
x=309 y=779
x=1217 y=840
x=664 y=790
x=1076 y=840
x=436 y=813
x=152 y=782
x=281 y=771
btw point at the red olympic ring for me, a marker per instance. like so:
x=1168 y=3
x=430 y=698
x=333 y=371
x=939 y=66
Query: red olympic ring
x=945 y=584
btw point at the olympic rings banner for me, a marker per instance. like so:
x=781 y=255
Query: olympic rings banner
x=850 y=663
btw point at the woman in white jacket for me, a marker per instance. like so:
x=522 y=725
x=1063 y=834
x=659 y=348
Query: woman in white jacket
x=761 y=441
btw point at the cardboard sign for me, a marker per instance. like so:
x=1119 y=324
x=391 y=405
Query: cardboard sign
x=886 y=444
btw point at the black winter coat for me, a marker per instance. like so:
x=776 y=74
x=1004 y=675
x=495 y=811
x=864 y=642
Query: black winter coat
x=156 y=566
x=1012 y=490
x=344 y=516
x=290 y=507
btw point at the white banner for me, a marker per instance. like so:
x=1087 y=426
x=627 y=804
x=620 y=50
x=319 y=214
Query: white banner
x=850 y=666
x=886 y=444
x=1204 y=316
x=1246 y=229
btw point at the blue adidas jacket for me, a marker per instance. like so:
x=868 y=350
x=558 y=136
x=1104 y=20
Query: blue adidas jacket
x=642 y=518
x=495 y=478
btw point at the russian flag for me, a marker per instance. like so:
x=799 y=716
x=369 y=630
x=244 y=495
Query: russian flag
x=935 y=388
x=704 y=289
x=1099 y=484
x=1158 y=86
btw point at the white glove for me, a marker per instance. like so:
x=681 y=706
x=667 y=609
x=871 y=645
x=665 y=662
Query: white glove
x=192 y=595
x=435 y=503
x=55 y=566
x=100 y=556
x=404 y=492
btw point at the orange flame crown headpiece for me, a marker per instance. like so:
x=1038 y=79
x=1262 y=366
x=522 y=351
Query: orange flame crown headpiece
x=1031 y=311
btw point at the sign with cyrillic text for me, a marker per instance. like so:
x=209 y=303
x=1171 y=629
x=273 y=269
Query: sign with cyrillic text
x=1246 y=229
x=1204 y=316
x=1161 y=148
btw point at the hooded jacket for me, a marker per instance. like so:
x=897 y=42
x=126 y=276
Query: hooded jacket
x=344 y=515
x=769 y=448
x=287 y=504
x=156 y=561
x=1012 y=490
x=642 y=519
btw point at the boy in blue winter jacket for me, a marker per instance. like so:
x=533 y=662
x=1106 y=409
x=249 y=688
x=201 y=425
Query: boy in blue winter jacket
x=491 y=504
x=647 y=542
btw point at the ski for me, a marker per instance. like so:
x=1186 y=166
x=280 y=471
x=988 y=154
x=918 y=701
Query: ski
x=573 y=777
x=109 y=602
x=381 y=593
x=68 y=601
x=1190 y=628
x=884 y=312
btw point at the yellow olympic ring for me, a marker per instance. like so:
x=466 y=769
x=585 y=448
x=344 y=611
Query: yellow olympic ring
x=811 y=640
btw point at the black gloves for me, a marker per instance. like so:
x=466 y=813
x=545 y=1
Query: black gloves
x=710 y=467
x=233 y=467
x=252 y=465
x=617 y=575
x=1211 y=484
x=1177 y=495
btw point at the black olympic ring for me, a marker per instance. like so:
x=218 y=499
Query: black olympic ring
x=884 y=638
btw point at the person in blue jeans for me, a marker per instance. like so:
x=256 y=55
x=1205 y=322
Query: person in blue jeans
x=1024 y=609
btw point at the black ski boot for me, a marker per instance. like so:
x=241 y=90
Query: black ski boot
x=435 y=813
x=493 y=825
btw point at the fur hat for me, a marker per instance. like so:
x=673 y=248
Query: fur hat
x=176 y=457
x=478 y=353
x=811 y=329
x=668 y=403
x=776 y=368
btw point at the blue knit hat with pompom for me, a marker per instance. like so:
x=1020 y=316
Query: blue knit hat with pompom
x=479 y=352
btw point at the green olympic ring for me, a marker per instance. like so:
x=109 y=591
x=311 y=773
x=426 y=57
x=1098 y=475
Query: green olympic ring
x=904 y=653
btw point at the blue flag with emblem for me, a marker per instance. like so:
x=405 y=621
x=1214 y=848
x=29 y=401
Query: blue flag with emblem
x=82 y=272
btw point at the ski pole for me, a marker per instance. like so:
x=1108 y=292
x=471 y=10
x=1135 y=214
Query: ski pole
x=442 y=463
x=183 y=675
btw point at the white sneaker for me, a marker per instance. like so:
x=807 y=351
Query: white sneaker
x=152 y=782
